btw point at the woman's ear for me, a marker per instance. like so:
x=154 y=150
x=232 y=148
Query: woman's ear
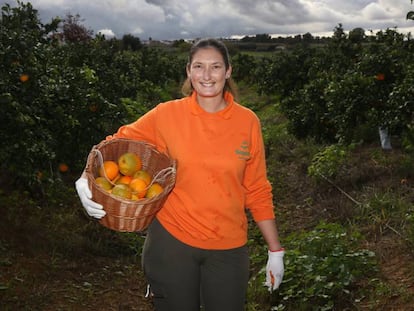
x=228 y=72
x=187 y=68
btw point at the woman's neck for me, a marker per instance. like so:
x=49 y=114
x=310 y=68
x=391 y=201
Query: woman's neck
x=212 y=104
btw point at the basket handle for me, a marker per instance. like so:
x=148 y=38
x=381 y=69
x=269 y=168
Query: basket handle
x=101 y=162
x=162 y=174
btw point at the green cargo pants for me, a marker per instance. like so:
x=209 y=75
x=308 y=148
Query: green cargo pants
x=182 y=278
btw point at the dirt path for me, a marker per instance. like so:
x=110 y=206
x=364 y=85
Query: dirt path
x=48 y=282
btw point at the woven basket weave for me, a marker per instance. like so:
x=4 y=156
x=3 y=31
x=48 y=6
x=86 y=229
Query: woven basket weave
x=123 y=214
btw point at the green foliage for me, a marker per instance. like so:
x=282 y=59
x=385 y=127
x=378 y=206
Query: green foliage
x=307 y=112
x=401 y=101
x=244 y=67
x=334 y=93
x=408 y=139
x=388 y=212
x=348 y=101
x=284 y=72
x=326 y=163
x=59 y=98
x=23 y=50
x=321 y=268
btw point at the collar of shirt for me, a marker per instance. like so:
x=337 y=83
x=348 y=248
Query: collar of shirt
x=224 y=113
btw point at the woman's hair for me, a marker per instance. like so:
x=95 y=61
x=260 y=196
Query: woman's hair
x=230 y=85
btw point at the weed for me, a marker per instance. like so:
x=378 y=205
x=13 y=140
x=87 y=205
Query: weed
x=322 y=267
x=326 y=163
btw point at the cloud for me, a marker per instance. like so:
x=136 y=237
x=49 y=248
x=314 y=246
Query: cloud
x=185 y=19
x=108 y=33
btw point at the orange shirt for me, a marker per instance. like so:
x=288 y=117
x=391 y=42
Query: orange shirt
x=221 y=170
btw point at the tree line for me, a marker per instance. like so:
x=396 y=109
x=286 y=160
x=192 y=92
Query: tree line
x=62 y=90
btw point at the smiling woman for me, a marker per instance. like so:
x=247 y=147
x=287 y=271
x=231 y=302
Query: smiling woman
x=198 y=239
x=208 y=73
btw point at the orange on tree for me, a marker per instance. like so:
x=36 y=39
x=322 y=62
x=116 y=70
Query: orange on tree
x=144 y=175
x=154 y=190
x=24 y=77
x=93 y=107
x=109 y=169
x=129 y=163
x=138 y=187
x=39 y=175
x=63 y=167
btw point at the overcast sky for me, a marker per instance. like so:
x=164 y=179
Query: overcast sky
x=188 y=19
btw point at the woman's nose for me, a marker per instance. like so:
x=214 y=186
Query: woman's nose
x=207 y=73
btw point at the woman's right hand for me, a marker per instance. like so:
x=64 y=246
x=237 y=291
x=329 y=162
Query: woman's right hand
x=92 y=208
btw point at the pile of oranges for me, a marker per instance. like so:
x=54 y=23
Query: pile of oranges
x=126 y=179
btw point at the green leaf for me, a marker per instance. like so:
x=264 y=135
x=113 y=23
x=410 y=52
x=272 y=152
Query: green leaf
x=410 y=15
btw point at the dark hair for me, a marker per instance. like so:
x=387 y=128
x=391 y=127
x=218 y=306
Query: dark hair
x=230 y=86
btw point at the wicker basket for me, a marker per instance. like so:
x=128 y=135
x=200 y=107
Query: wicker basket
x=123 y=214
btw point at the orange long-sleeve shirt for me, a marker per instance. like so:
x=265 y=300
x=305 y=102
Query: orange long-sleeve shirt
x=221 y=170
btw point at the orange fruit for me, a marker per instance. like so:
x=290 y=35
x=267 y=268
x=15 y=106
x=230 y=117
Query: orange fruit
x=104 y=183
x=93 y=107
x=138 y=187
x=123 y=180
x=135 y=197
x=39 y=175
x=111 y=170
x=144 y=175
x=154 y=190
x=129 y=163
x=63 y=168
x=122 y=191
x=114 y=180
x=24 y=77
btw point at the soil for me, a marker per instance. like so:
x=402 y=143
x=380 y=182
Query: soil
x=36 y=277
x=48 y=266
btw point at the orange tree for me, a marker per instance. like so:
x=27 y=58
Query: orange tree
x=23 y=43
x=344 y=91
x=59 y=97
x=49 y=105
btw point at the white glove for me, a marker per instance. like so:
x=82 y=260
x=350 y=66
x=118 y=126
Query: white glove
x=92 y=208
x=274 y=269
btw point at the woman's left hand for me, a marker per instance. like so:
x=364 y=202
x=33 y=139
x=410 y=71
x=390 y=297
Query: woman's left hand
x=274 y=269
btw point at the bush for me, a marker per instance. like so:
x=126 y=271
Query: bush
x=327 y=163
x=322 y=267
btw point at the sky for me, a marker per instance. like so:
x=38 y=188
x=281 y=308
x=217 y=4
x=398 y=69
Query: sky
x=191 y=19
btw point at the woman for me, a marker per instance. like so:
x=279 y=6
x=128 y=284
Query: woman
x=195 y=249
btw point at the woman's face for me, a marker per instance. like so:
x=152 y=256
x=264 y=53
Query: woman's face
x=208 y=73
